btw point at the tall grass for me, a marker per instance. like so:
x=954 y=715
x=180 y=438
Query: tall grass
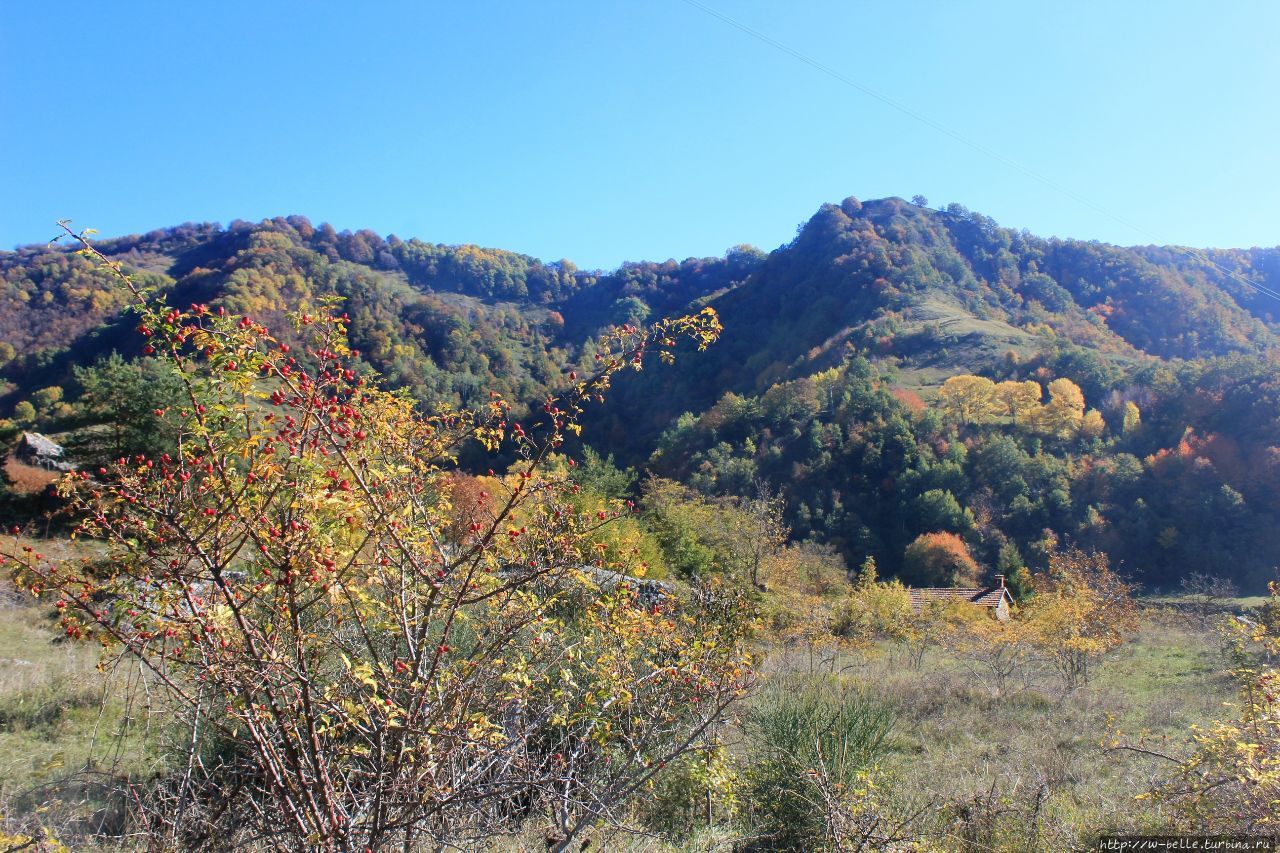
x=811 y=739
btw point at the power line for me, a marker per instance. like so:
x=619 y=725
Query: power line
x=975 y=145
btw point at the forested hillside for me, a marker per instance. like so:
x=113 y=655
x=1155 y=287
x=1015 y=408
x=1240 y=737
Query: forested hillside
x=1126 y=399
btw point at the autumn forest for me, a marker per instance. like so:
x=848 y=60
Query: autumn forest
x=894 y=371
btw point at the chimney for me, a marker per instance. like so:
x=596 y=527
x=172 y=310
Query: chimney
x=1000 y=581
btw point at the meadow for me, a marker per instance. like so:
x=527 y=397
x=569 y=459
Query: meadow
x=964 y=766
x=1033 y=769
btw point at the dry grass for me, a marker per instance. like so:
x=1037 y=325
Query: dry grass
x=27 y=479
x=1026 y=770
x=1032 y=769
x=67 y=733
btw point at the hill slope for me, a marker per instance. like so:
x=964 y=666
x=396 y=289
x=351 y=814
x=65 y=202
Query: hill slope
x=834 y=346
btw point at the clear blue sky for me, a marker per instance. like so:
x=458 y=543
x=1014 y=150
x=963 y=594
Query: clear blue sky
x=604 y=131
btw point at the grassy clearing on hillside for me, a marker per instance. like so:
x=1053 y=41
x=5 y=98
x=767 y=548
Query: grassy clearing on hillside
x=955 y=321
x=963 y=340
x=1237 y=604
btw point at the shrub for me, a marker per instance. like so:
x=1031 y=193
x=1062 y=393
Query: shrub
x=815 y=746
x=698 y=791
x=351 y=674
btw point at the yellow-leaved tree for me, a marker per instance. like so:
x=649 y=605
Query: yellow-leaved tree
x=884 y=611
x=1080 y=610
x=1092 y=425
x=807 y=585
x=969 y=399
x=1020 y=400
x=1132 y=417
x=1063 y=415
x=997 y=653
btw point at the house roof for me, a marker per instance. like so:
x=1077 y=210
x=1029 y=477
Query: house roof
x=985 y=597
x=40 y=445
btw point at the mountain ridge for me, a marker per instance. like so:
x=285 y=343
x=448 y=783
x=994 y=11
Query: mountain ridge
x=824 y=385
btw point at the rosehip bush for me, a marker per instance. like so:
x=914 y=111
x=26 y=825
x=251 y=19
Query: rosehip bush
x=360 y=654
